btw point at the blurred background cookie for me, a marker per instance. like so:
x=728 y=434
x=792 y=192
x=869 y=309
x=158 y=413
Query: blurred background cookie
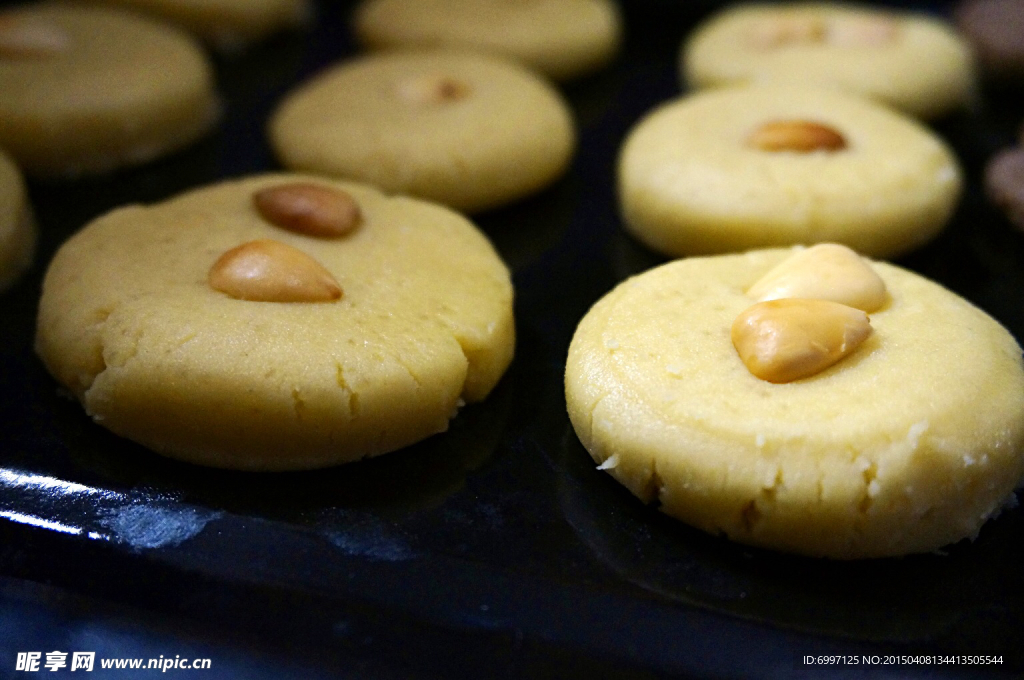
x=1004 y=183
x=745 y=167
x=86 y=90
x=468 y=130
x=995 y=29
x=278 y=322
x=225 y=24
x=17 y=228
x=560 y=38
x=913 y=62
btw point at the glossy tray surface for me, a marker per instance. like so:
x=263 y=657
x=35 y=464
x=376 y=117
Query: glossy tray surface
x=497 y=541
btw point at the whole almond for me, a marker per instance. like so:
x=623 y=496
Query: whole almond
x=31 y=38
x=310 y=209
x=270 y=271
x=827 y=271
x=784 y=340
x=801 y=136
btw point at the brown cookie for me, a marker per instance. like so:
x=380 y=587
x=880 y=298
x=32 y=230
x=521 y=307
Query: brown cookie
x=1004 y=183
x=995 y=28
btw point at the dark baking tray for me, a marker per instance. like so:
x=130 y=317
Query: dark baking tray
x=495 y=549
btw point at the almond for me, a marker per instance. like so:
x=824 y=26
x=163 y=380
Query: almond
x=862 y=32
x=310 y=209
x=827 y=271
x=270 y=271
x=788 y=30
x=784 y=340
x=433 y=89
x=796 y=135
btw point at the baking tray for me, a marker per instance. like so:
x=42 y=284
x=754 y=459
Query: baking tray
x=497 y=541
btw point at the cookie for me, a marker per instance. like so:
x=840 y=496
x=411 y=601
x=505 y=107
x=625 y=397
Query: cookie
x=86 y=90
x=906 y=444
x=995 y=29
x=912 y=62
x=17 y=228
x=277 y=322
x=467 y=130
x=225 y=24
x=740 y=168
x=1004 y=183
x=561 y=38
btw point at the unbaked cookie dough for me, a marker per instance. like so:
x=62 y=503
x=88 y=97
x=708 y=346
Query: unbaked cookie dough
x=908 y=444
x=748 y=167
x=17 y=228
x=467 y=130
x=561 y=38
x=913 y=62
x=85 y=90
x=162 y=321
x=226 y=24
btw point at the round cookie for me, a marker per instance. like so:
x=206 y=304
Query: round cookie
x=17 y=228
x=85 y=90
x=561 y=38
x=467 y=130
x=907 y=444
x=226 y=24
x=995 y=28
x=723 y=171
x=912 y=62
x=415 y=319
x=1004 y=183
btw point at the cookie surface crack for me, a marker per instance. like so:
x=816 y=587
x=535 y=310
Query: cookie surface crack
x=353 y=396
x=871 y=487
x=652 y=489
x=750 y=515
x=298 y=403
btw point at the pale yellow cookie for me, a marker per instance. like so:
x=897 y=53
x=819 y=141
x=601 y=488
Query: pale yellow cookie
x=467 y=130
x=17 y=228
x=913 y=62
x=747 y=167
x=226 y=24
x=230 y=331
x=86 y=90
x=908 y=443
x=561 y=38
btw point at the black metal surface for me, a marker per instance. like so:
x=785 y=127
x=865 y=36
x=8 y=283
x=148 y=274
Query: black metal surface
x=495 y=549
